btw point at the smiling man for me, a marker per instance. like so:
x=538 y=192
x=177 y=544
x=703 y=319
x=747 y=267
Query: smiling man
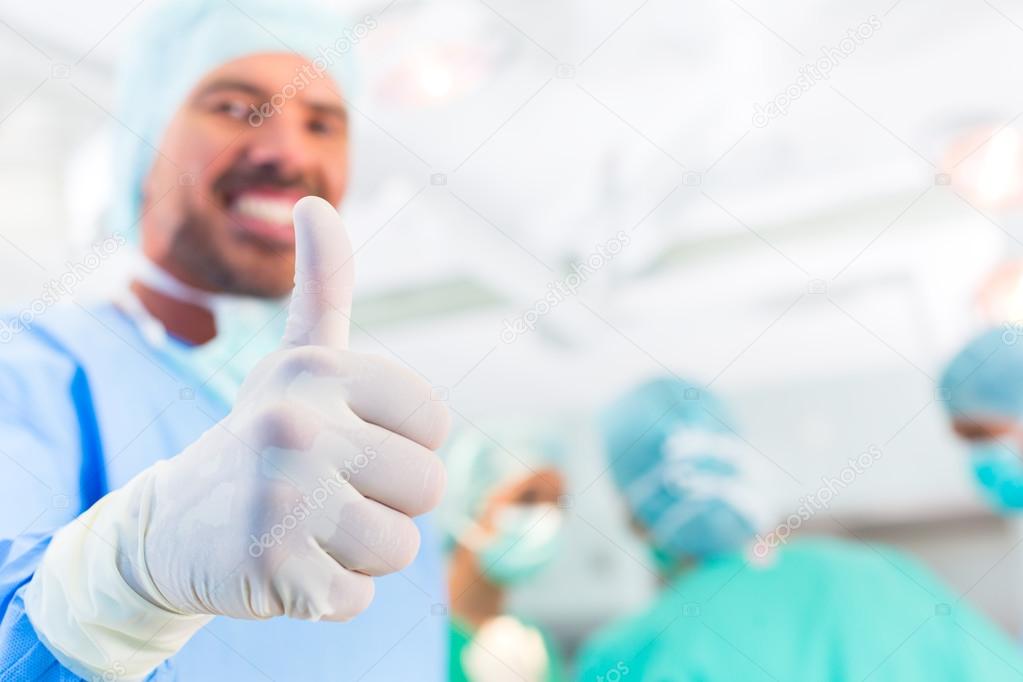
x=198 y=481
x=218 y=199
x=227 y=226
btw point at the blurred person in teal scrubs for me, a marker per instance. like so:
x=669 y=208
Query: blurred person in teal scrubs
x=730 y=607
x=982 y=390
x=503 y=525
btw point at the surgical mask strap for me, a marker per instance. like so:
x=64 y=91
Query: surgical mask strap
x=156 y=278
x=152 y=329
x=471 y=535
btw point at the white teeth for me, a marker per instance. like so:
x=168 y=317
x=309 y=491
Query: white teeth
x=265 y=208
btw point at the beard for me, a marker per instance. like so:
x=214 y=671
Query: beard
x=196 y=253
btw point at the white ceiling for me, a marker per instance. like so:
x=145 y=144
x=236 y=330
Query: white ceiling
x=646 y=127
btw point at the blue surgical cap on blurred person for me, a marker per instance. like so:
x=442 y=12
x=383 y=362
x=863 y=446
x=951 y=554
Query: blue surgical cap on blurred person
x=985 y=379
x=695 y=486
x=180 y=42
x=479 y=461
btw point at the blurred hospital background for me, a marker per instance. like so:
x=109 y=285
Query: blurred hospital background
x=795 y=203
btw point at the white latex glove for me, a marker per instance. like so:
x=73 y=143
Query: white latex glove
x=288 y=506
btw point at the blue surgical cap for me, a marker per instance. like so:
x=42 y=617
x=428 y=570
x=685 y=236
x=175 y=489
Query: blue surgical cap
x=985 y=379
x=180 y=42
x=480 y=460
x=685 y=474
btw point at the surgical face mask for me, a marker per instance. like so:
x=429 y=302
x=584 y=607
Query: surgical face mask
x=247 y=330
x=998 y=468
x=526 y=538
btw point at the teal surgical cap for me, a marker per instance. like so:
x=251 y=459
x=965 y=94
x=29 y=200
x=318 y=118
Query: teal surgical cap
x=686 y=476
x=181 y=41
x=480 y=460
x=985 y=379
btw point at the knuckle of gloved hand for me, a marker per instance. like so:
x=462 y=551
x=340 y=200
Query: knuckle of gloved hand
x=379 y=543
x=358 y=448
x=400 y=546
x=434 y=483
x=284 y=424
x=304 y=586
x=429 y=423
x=310 y=359
x=373 y=370
x=423 y=482
x=406 y=545
x=438 y=425
x=349 y=595
x=430 y=418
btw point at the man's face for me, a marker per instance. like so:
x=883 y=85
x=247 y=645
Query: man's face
x=217 y=202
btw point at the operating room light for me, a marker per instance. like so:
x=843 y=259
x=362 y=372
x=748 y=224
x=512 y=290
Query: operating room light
x=435 y=79
x=999 y=172
x=433 y=74
x=1001 y=296
x=987 y=166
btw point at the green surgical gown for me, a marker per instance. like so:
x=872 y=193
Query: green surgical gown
x=821 y=611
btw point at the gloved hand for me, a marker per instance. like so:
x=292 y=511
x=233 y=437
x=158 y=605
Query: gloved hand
x=288 y=506
x=505 y=649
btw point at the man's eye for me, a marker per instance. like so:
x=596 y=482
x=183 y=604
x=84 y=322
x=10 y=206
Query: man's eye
x=322 y=127
x=233 y=108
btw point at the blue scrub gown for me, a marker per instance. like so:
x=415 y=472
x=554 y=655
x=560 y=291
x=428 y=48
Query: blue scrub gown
x=85 y=404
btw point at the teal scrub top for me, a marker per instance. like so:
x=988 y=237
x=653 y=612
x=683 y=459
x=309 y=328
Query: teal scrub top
x=823 y=611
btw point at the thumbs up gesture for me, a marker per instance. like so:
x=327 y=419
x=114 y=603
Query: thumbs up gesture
x=289 y=506
x=306 y=490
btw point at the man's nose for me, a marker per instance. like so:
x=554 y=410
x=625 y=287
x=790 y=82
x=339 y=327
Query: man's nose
x=281 y=141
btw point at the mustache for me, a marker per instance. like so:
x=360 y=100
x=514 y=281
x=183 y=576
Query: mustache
x=239 y=178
